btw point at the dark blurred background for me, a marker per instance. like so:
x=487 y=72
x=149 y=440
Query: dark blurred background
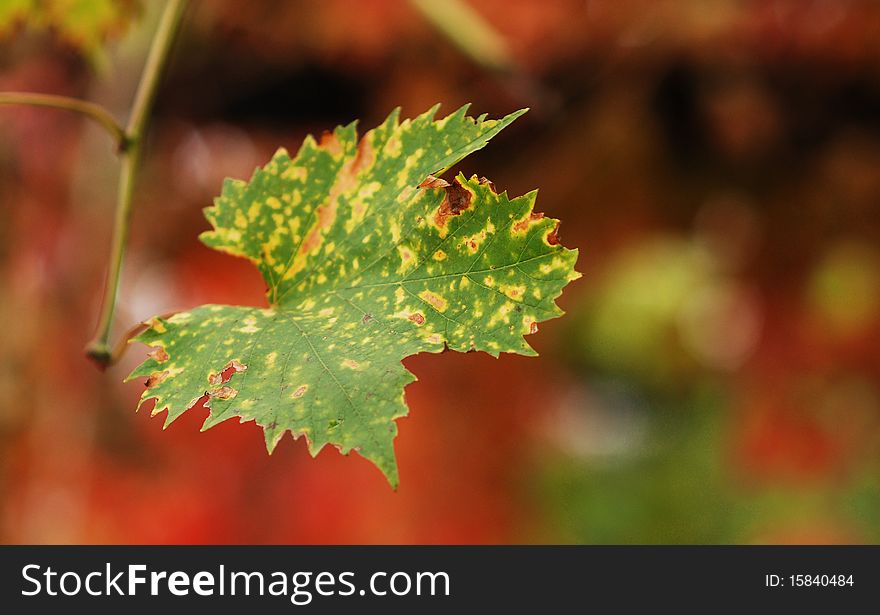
x=716 y=378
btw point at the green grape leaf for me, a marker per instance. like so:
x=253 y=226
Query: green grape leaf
x=85 y=25
x=369 y=258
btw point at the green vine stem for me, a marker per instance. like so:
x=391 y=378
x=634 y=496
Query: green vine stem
x=91 y=110
x=100 y=349
x=129 y=141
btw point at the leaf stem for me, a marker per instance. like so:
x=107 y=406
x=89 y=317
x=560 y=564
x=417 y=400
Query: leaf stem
x=100 y=349
x=91 y=110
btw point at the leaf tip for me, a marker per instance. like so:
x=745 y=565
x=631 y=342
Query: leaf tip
x=511 y=117
x=392 y=477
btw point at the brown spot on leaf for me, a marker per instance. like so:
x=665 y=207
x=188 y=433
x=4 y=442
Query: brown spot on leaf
x=156 y=378
x=363 y=158
x=487 y=182
x=367 y=318
x=436 y=301
x=326 y=214
x=222 y=393
x=522 y=225
x=300 y=391
x=326 y=211
x=159 y=355
x=434 y=182
x=553 y=236
x=406 y=255
x=417 y=318
x=458 y=198
x=330 y=143
x=533 y=327
x=226 y=373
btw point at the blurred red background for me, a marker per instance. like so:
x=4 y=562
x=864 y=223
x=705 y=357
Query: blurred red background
x=716 y=379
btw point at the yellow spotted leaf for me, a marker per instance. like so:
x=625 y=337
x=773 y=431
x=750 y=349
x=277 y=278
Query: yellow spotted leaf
x=369 y=257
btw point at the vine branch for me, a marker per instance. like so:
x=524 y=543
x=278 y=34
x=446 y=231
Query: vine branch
x=100 y=349
x=91 y=110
